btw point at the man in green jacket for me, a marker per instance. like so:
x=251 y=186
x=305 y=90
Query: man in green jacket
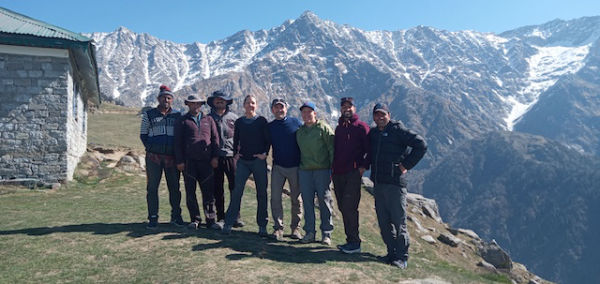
x=315 y=140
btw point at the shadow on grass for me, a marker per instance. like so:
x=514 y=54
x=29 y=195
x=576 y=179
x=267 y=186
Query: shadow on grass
x=250 y=245
x=134 y=230
x=246 y=244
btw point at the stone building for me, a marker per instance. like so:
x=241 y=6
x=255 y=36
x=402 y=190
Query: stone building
x=48 y=78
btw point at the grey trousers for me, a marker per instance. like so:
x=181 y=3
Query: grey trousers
x=279 y=175
x=316 y=182
x=390 y=205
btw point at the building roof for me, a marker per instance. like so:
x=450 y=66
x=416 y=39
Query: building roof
x=18 y=29
x=15 y=23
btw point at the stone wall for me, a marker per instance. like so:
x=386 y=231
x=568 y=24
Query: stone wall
x=42 y=135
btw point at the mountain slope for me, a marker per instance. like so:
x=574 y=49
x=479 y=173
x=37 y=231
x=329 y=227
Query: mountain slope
x=535 y=196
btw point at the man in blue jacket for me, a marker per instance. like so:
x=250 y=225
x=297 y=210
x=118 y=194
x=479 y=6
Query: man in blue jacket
x=157 y=133
x=286 y=159
x=394 y=150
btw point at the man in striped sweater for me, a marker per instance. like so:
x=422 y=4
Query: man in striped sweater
x=157 y=134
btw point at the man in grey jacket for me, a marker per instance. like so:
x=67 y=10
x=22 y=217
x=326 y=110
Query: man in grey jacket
x=219 y=103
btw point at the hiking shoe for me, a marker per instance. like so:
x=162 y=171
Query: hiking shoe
x=194 y=225
x=296 y=235
x=308 y=238
x=239 y=224
x=262 y=231
x=326 y=240
x=226 y=230
x=152 y=224
x=215 y=226
x=277 y=234
x=350 y=248
x=177 y=221
x=387 y=259
x=402 y=264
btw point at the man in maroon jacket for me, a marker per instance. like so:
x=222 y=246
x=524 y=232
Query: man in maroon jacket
x=196 y=154
x=349 y=163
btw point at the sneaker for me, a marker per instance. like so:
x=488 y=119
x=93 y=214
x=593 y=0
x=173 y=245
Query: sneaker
x=402 y=264
x=350 y=248
x=326 y=240
x=152 y=224
x=277 y=234
x=239 y=224
x=308 y=238
x=296 y=235
x=262 y=231
x=177 y=221
x=194 y=225
x=226 y=230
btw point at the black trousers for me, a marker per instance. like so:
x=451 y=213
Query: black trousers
x=226 y=168
x=347 y=195
x=201 y=173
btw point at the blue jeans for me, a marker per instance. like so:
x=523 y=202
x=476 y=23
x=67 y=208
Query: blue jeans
x=258 y=168
x=316 y=182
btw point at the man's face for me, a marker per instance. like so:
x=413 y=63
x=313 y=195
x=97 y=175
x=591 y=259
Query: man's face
x=279 y=111
x=165 y=101
x=308 y=115
x=348 y=110
x=194 y=107
x=381 y=118
x=219 y=103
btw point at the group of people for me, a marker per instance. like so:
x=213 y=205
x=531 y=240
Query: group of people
x=308 y=155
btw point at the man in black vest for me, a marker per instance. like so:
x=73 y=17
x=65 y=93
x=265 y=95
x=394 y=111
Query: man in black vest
x=390 y=159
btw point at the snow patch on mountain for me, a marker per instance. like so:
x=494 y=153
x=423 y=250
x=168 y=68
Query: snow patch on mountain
x=545 y=68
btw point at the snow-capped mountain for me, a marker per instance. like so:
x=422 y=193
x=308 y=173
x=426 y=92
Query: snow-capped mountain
x=451 y=86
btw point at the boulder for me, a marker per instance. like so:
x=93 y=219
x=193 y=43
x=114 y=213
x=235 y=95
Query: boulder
x=428 y=239
x=495 y=255
x=428 y=206
x=449 y=239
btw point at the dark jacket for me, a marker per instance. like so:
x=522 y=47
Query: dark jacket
x=389 y=148
x=196 y=142
x=286 y=152
x=251 y=136
x=225 y=125
x=351 y=145
x=157 y=131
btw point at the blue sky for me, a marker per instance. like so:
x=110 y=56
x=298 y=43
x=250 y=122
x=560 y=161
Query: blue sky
x=187 y=21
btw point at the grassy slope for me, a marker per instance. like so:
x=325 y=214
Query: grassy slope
x=93 y=231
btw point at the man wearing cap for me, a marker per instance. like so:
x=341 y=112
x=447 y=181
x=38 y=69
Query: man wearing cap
x=196 y=154
x=394 y=150
x=157 y=133
x=219 y=103
x=286 y=159
x=349 y=163
x=315 y=139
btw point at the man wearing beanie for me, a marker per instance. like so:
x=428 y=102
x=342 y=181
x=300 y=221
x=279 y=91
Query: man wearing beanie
x=157 y=135
x=349 y=164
